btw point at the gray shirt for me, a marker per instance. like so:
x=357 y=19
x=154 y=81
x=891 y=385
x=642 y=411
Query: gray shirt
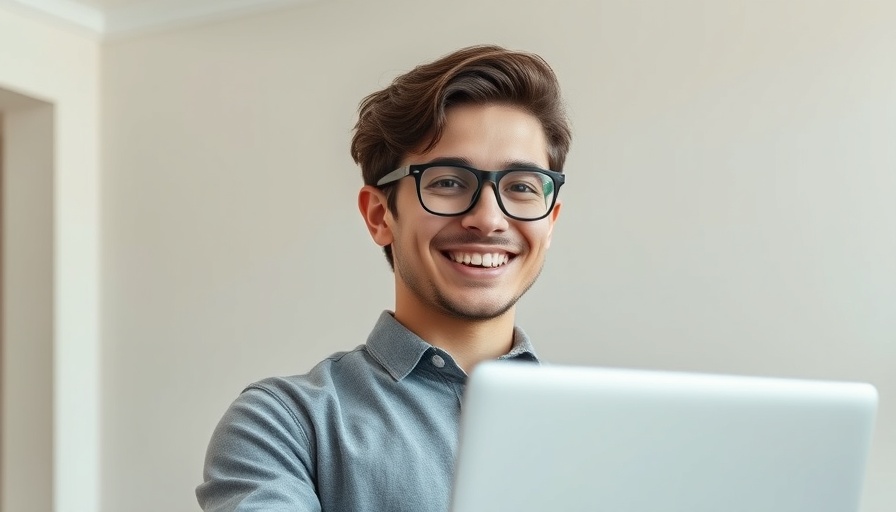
x=373 y=429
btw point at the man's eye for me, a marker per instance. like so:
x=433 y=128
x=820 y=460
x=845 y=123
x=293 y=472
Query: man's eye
x=521 y=188
x=446 y=183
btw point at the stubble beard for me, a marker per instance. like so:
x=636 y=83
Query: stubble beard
x=426 y=291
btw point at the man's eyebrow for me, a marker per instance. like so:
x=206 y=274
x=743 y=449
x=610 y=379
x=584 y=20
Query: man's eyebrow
x=512 y=164
x=509 y=164
x=450 y=160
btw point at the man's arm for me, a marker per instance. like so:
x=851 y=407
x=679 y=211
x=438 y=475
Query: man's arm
x=259 y=458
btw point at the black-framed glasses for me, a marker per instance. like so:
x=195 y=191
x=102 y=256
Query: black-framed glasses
x=523 y=193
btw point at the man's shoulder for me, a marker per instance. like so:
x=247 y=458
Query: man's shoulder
x=334 y=375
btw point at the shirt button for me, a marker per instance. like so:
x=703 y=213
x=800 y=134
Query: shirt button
x=437 y=361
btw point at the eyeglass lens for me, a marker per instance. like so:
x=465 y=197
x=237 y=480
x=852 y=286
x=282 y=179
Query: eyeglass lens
x=450 y=190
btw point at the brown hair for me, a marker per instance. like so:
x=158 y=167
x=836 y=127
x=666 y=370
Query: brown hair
x=400 y=118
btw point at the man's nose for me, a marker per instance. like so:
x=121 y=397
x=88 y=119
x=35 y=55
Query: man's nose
x=486 y=215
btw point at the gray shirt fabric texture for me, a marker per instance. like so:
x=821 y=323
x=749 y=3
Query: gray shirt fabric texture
x=372 y=429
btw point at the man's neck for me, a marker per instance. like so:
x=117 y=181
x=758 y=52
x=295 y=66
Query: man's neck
x=468 y=341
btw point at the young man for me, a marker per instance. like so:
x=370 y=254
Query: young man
x=461 y=160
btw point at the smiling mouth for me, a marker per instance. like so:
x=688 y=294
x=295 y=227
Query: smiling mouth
x=482 y=260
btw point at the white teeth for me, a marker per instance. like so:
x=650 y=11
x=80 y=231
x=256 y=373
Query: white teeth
x=488 y=260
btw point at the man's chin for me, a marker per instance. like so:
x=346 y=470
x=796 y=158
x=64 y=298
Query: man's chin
x=474 y=312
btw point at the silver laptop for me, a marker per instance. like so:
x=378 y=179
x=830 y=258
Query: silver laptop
x=557 y=438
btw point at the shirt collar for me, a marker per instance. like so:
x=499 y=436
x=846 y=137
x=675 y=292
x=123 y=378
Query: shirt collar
x=399 y=350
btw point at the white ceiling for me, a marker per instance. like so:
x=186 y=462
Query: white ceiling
x=113 y=4
x=117 y=19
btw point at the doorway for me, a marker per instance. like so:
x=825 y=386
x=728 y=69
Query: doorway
x=26 y=303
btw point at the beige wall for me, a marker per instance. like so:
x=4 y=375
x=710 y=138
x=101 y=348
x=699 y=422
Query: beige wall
x=52 y=244
x=729 y=206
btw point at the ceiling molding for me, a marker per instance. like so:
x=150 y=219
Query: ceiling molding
x=69 y=12
x=145 y=16
x=159 y=15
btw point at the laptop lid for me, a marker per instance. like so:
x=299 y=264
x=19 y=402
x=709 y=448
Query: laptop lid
x=545 y=438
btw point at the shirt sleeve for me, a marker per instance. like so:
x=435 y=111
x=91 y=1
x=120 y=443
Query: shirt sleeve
x=259 y=459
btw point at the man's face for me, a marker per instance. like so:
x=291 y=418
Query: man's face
x=476 y=265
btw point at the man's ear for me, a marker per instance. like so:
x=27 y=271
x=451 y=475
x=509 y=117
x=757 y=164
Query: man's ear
x=373 y=207
x=552 y=218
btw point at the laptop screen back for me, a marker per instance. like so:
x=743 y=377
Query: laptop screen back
x=545 y=438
